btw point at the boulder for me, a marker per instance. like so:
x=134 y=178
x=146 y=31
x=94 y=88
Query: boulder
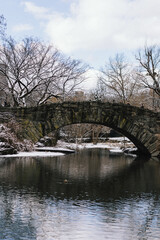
x=6 y=148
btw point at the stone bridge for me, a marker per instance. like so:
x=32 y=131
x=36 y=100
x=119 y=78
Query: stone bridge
x=140 y=125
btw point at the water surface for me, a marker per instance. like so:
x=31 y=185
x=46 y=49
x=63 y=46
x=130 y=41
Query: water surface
x=87 y=195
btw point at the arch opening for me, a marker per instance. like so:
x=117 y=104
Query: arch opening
x=94 y=133
x=141 y=148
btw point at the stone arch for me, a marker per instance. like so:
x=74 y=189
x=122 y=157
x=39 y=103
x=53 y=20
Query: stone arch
x=140 y=125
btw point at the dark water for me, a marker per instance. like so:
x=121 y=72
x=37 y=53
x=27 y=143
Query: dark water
x=103 y=198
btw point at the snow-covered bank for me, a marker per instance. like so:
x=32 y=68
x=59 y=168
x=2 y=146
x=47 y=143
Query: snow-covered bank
x=54 y=149
x=9 y=141
x=61 y=144
x=118 y=143
x=34 y=154
x=115 y=146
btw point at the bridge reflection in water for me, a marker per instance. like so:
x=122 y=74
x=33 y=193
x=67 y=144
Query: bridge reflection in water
x=104 y=197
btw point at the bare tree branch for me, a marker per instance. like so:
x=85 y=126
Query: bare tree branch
x=3 y=26
x=119 y=77
x=37 y=72
x=149 y=72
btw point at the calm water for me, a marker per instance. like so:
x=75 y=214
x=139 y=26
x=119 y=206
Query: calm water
x=104 y=198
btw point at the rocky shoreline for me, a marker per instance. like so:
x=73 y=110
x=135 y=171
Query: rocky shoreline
x=9 y=142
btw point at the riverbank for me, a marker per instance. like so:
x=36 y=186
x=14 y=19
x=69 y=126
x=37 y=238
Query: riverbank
x=112 y=143
x=115 y=146
x=11 y=141
x=11 y=147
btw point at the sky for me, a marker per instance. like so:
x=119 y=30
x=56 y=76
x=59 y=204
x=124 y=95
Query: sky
x=89 y=30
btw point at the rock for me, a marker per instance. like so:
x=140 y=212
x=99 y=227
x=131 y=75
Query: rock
x=131 y=151
x=46 y=142
x=5 y=149
x=39 y=144
x=115 y=152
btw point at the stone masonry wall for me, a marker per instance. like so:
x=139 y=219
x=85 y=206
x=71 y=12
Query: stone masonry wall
x=140 y=125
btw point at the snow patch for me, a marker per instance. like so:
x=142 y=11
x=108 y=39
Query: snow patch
x=34 y=154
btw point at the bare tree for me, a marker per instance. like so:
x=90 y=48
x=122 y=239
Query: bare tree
x=149 y=71
x=71 y=75
x=37 y=72
x=79 y=133
x=119 y=78
x=99 y=93
x=3 y=82
x=2 y=25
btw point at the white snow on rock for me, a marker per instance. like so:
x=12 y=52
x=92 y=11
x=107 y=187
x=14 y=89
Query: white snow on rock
x=119 y=139
x=34 y=154
x=51 y=149
x=115 y=152
x=114 y=147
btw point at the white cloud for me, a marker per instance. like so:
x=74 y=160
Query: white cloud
x=22 y=27
x=38 y=12
x=104 y=25
x=91 y=80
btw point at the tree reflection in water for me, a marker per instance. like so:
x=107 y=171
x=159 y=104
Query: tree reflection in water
x=103 y=196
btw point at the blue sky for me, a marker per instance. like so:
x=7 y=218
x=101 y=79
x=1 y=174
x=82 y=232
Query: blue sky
x=18 y=15
x=89 y=30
